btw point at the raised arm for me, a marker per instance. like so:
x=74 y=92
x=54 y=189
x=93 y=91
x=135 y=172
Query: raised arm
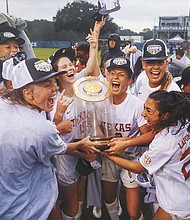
x=92 y=67
x=92 y=60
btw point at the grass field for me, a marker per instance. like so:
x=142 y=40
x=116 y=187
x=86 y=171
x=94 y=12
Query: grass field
x=44 y=53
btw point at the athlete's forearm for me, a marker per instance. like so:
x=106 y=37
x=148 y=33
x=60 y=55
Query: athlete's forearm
x=143 y=139
x=134 y=167
x=92 y=62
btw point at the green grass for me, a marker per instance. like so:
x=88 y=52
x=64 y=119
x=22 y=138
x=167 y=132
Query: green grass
x=44 y=53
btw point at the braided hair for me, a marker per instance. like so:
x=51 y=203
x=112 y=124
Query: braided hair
x=176 y=104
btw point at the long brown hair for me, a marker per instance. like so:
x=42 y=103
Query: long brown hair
x=16 y=96
x=166 y=81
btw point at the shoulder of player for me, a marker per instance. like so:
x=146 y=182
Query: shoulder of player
x=135 y=100
x=173 y=86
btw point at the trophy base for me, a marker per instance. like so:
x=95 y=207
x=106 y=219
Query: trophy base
x=102 y=142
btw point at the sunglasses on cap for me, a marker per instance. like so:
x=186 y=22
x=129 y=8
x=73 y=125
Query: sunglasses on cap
x=16 y=58
x=79 y=56
x=4 y=58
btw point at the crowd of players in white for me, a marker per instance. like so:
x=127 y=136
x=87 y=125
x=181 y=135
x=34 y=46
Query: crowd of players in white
x=38 y=112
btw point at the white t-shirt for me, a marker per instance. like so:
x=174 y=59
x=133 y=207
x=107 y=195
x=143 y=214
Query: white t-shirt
x=143 y=90
x=128 y=120
x=65 y=164
x=168 y=160
x=135 y=84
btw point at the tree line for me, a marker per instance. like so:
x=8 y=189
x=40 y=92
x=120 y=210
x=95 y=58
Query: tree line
x=73 y=22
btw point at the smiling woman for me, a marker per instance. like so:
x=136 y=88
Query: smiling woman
x=167 y=157
x=154 y=62
x=34 y=142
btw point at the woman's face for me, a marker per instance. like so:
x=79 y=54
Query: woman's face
x=118 y=79
x=155 y=71
x=112 y=43
x=65 y=64
x=42 y=95
x=82 y=57
x=9 y=48
x=150 y=112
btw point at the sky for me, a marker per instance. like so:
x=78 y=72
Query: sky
x=134 y=14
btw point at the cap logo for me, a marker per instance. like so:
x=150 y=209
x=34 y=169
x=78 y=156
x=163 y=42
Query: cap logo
x=8 y=34
x=154 y=49
x=63 y=51
x=41 y=65
x=120 y=61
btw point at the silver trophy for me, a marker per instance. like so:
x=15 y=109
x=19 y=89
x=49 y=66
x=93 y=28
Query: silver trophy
x=94 y=111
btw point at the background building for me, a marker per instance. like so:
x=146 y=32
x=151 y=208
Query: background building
x=170 y=27
x=175 y=31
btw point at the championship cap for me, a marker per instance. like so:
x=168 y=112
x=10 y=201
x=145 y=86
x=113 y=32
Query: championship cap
x=154 y=49
x=9 y=64
x=10 y=33
x=31 y=71
x=120 y=62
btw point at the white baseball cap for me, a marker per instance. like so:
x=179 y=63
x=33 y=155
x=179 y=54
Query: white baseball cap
x=32 y=71
x=9 y=64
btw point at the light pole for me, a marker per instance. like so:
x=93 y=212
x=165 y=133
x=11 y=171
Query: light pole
x=7 y=6
x=154 y=27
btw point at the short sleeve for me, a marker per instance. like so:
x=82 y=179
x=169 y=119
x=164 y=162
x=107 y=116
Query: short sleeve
x=159 y=153
x=49 y=144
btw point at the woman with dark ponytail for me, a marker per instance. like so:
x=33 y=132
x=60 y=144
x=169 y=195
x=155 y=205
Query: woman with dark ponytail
x=168 y=156
x=176 y=105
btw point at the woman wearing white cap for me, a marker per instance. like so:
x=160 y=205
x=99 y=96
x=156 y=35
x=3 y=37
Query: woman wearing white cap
x=28 y=183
